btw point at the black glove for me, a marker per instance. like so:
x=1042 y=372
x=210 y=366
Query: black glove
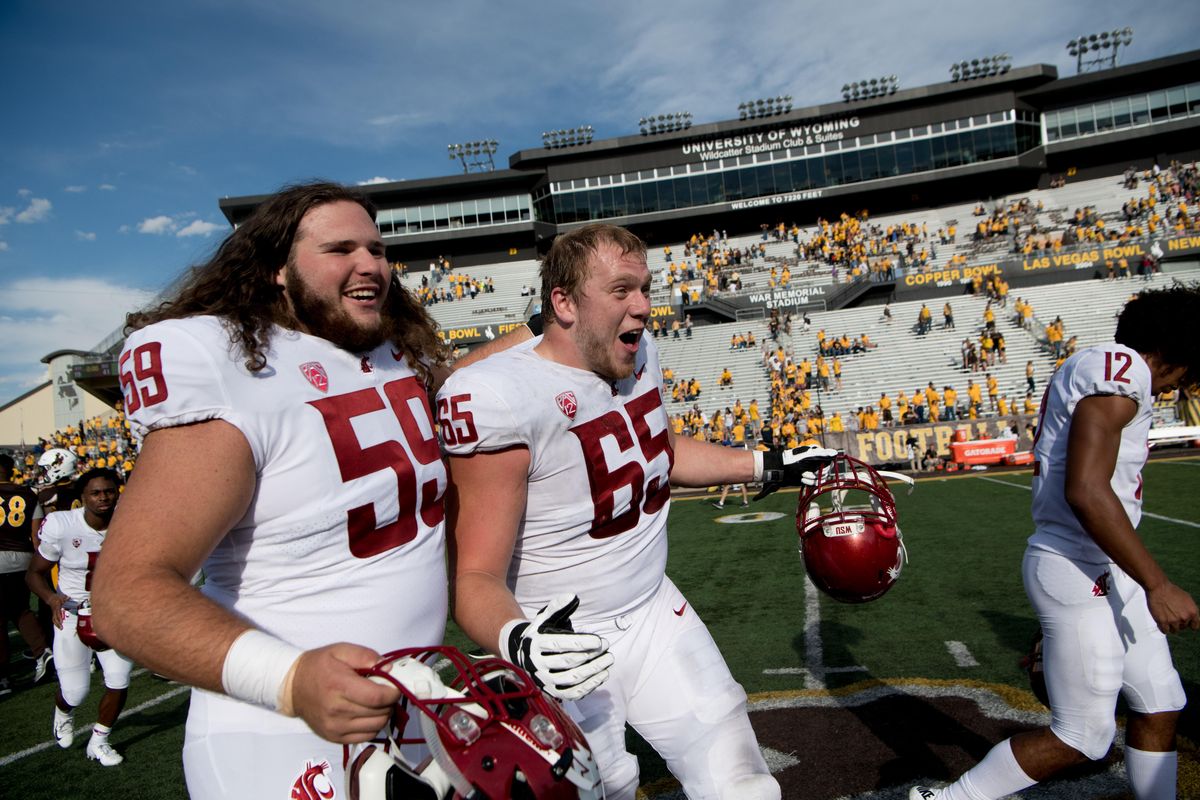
x=796 y=467
x=564 y=664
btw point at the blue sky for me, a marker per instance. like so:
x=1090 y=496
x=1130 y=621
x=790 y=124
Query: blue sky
x=126 y=121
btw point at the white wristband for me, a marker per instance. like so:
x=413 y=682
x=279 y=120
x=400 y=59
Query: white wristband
x=256 y=668
x=758 y=465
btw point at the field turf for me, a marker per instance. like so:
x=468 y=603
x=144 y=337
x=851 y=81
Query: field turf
x=849 y=701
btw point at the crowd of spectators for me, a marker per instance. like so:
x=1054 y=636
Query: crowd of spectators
x=100 y=441
x=710 y=266
x=852 y=246
x=442 y=285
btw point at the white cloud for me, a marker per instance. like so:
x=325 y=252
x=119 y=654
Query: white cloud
x=40 y=315
x=106 y=187
x=75 y=189
x=38 y=211
x=6 y=213
x=376 y=179
x=199 y=228
x=86 y=236
x=24 y=192
x=3 y=246
x=159 y=225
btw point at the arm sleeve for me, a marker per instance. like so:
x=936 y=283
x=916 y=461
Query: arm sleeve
x=49 y=545
x=493 y=423
x=1111 y=371
x=174 y=373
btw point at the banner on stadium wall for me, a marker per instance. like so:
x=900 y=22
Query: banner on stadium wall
x=798 y=134
x=946 y=278
x=664 y=314
x=474 y=334
x=888 y=445
x=1074 y=265
x=784 y=299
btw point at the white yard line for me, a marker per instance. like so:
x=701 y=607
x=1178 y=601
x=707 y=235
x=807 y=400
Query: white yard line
x=37 y=748
x=814 y=670
x=962 y=656
x=814 y=648
x=1188 y=523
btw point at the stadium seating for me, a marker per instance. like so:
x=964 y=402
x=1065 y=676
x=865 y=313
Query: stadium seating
x=902 y=360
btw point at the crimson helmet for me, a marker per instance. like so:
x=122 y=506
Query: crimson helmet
x=849 y=537
x=486 y=734
x=84 y=629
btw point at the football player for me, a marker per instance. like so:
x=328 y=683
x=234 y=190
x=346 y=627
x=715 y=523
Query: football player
x=287 y=445
x=72 y=540
x=20 y=513
x=561 y=460
x=57 y=470
x=1103 y=601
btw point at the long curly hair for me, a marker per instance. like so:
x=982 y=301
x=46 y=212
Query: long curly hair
x=238 y=284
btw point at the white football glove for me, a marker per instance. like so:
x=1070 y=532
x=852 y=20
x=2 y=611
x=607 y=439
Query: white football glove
x=800 y=466
x=564 y=664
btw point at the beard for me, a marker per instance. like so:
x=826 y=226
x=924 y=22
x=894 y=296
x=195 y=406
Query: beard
x=330 y=321
x=598 y=355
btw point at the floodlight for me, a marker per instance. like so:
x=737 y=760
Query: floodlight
x=475 y=155
x=765 y=107
x=1095 y=43
x=870 y=88
x=568 y=137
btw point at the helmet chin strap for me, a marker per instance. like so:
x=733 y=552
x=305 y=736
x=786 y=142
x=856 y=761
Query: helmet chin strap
x=896 y=476
x=442 y=762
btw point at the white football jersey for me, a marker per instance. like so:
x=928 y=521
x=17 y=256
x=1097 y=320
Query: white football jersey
x=600 y=460
x=1110 y=369
x=67 y=539
x=344 y=538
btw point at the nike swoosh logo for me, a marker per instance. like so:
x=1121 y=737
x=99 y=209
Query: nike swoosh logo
x=679 y=611
x=637 y=376
x=397 y=356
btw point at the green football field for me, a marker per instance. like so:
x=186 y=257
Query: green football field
x=848 y=701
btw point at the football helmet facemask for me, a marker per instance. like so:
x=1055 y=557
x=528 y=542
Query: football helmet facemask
x=488 y=733
x=849 y=536
x=57 y=464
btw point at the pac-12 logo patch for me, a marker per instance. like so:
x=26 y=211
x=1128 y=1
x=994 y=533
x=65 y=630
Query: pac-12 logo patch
x=567 y=404
x=315 y=373
x=313 y=783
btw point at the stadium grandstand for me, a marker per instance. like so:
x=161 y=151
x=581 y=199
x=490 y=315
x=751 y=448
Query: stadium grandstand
x=793 y=254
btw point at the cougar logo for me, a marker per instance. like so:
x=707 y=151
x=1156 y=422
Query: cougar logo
x=1100 y=589
x=313 y=783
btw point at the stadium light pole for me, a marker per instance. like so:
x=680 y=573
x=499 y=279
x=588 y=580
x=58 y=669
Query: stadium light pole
x=475 y=156
x=1103 y=46
x=870 y=89
x=567 y=137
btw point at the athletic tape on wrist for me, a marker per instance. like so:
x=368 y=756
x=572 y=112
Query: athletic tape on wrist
x=256 y=670
x=758 y=465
